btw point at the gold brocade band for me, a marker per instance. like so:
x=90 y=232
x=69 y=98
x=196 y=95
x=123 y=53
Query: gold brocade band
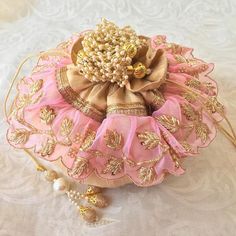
x=74 y=99
x=136 y=109
x=91 y=110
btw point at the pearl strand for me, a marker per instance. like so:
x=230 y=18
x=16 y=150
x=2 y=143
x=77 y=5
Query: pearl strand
x=92 y=195
x=107 y=53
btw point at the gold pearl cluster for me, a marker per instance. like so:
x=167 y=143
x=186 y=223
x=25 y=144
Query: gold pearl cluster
x=93 y=196
x=108 y=52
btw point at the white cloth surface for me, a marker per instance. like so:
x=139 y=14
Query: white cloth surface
x=201 y=202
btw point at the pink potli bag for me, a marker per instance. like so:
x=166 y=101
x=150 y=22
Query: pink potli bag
x=109 y=108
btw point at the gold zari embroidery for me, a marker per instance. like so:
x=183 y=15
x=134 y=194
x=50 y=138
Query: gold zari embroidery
x=171 y=123
x=66 y=127
x=149 y=140
x=146 y=174
x=47 y=115
x=113 y=139
x=80 y=167
x=113 y=166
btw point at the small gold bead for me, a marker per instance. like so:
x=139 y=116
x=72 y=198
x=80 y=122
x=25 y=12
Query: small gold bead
x=51 y=175
x=139 y=70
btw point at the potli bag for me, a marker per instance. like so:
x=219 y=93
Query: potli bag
x=109 y=107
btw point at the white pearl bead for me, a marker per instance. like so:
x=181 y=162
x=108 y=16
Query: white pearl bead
x=60 y=185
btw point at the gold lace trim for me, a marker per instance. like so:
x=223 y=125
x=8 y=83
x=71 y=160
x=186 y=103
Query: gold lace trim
x=137 y=109
x=74 y=99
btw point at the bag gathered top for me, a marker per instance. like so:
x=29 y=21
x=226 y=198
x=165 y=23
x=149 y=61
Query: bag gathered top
x=109 y=107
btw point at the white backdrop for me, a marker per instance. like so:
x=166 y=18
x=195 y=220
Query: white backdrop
x=201 y=202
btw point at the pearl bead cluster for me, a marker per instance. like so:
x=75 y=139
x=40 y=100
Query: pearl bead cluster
x=74 y=197
x=107 y=53
x=92 y=195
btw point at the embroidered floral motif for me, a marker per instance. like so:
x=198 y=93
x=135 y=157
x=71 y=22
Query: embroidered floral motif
x=113 y=139
x=189 y=112
x=66 y=127
x=72 y=152
x=88 y=140
x=171 y=123
x=78 y=138
x=213 y=105
x=47 y=115
x=19 y=136
x=146 y=174
x=202 y=131
x=175 y=48
x=182 y=59
x=36 y=86
x=48 y=148
x=80 y=166
x=190 y=96
x=149 y=140
x=193 y=83
x=23 y=100
x=159 y=99
x=186 y=146
x=113 y=166
x=209 y=88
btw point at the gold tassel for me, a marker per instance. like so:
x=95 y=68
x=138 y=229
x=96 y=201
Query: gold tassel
x=97 y=200
x=88 y=214
x=92 y=190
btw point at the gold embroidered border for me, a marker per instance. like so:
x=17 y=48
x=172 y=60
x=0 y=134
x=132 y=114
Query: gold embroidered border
x=137 y=109
x=74 y=99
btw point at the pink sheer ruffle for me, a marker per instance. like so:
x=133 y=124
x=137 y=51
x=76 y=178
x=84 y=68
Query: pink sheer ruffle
x=132 y=157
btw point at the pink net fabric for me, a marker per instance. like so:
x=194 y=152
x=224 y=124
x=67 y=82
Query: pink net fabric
x=149 y=146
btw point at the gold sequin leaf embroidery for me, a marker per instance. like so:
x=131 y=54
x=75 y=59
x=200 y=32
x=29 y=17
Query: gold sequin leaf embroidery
x=88 y=140
x=214 y=106
x=159 y=99
x=66 y=127
x=202 y=131
x=181 y=59
x=186 y=146
x=171 y=123
x=193 y=83
x=47 y=115
x=148 y=139
x=23 y=100
x=36 y=86
x=48 y=148
x=113 y=166
x=189 y=112
x=190 y=97
x=113 y=139
x=146 y=174
x=19 y=136
x=80 y=167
